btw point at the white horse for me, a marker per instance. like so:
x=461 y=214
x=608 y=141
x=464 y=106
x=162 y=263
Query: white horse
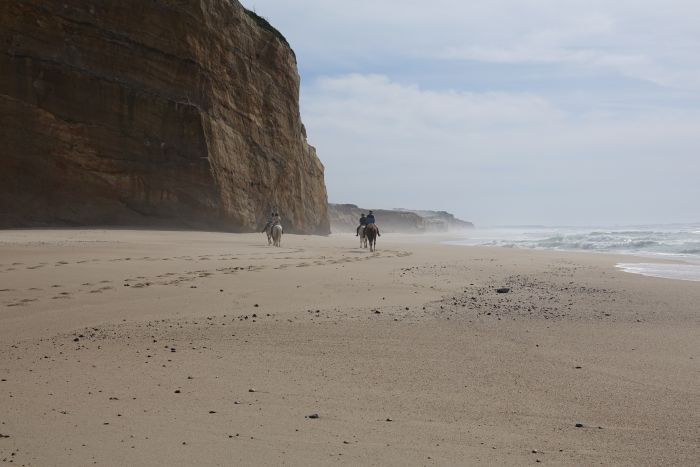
x=276 y=234
x=363 y=237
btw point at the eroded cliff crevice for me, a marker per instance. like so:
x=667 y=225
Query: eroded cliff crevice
x=151 y=113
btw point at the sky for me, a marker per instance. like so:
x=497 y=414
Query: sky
x=503 y=112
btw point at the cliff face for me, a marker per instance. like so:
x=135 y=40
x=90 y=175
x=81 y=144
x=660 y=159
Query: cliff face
x=151 y=112
x=344 y=218
x=440 y=221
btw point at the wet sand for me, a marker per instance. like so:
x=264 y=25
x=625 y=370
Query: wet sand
x=150 y=348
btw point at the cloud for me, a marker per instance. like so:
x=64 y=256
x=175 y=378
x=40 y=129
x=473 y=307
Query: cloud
x=497 y=157
x=507 y=111
x=648 y=40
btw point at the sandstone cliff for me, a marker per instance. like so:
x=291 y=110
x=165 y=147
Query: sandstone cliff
x=151 y=113
x=344 y=218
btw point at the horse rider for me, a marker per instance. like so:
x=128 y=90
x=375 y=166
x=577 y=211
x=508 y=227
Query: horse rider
x=272 y=219
x=370 y=220
x=363 y=222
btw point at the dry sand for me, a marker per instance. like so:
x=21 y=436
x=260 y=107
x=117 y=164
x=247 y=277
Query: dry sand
x=189 y=348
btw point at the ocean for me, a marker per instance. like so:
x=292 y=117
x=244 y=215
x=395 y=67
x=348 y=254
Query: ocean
x=678 y=242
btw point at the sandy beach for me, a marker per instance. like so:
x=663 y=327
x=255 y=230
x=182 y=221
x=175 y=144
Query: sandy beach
x=122 y=347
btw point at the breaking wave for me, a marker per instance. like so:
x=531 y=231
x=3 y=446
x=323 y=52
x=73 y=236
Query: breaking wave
x=680 y=242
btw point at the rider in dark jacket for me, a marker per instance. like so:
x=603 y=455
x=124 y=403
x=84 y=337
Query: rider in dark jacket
x=363 y=221
x=269 y=221
x=370 y=220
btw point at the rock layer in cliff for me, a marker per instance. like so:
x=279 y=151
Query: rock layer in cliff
x=151 y=113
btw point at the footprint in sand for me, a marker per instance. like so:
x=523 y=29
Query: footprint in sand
x=22 y=302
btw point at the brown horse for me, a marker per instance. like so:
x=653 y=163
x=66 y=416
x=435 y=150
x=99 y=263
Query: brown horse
x=371 y=232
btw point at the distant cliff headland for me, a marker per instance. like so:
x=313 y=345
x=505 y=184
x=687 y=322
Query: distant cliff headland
x=344 y=218
x=152 y=113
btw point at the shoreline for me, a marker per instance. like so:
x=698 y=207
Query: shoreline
x=645 y=268
x=140 y=348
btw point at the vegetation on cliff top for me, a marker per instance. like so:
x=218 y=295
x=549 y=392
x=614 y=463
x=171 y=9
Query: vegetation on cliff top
x=265 y=24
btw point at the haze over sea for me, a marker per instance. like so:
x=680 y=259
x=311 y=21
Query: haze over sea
x=677 y=242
